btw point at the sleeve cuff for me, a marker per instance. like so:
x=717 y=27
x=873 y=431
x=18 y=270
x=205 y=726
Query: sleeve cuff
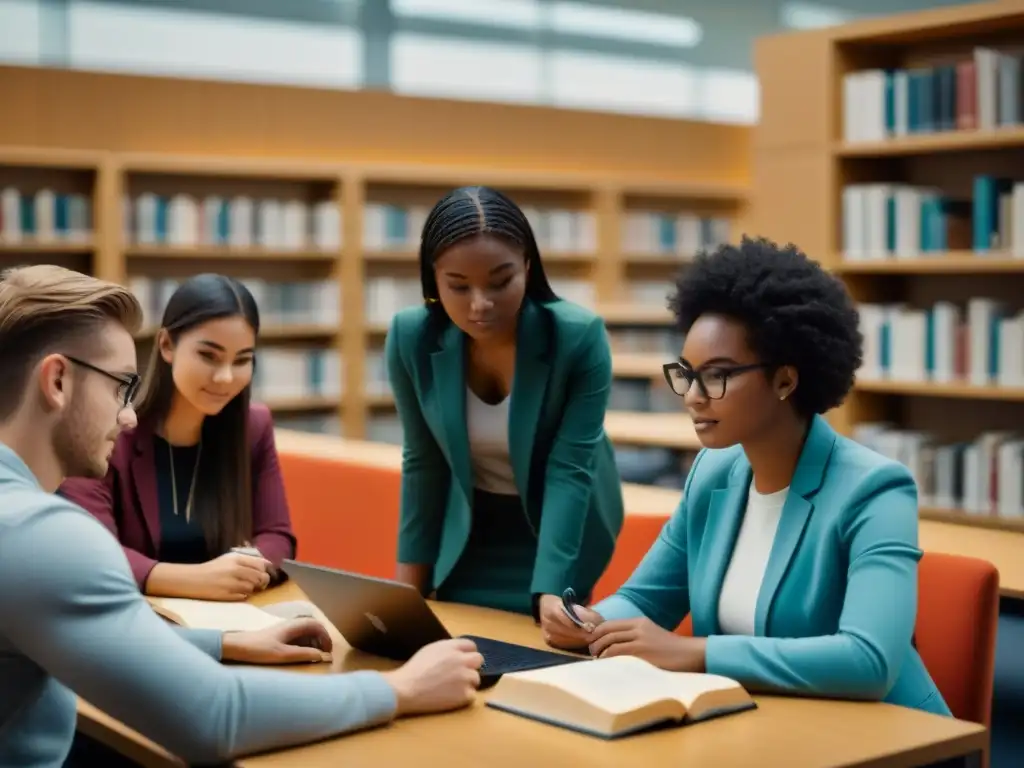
x=379 y=697
x=209 y=641
x=617 y=607
x=723 y=656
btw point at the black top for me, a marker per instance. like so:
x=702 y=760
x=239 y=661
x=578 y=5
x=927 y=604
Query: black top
x=181 y=541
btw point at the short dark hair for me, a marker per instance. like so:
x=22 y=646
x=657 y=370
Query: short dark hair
x=223 y=485
x=45 y=309
x=795 y=313
x=470 y=212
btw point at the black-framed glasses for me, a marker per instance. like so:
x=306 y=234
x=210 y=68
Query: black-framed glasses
x=129 y=382
x=711 y=381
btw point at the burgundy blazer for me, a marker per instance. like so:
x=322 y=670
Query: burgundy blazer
x=125 y=501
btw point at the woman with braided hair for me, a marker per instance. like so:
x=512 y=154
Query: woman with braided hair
x=510 y=493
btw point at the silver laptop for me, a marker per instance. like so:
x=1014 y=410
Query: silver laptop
x=391 y=619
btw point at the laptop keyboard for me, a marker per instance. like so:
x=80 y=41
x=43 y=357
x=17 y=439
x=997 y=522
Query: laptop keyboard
x=501 y=658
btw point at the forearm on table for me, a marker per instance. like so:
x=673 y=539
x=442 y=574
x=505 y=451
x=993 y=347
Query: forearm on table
x=171 y=580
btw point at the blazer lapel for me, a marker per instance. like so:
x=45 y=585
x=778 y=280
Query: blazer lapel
x=143 y=467
x=448 y=366
x=725 y=513
x=529 y=385
x=807 y=479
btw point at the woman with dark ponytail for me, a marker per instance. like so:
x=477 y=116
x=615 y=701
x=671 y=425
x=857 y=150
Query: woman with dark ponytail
x=510 y=493
x=194 y=492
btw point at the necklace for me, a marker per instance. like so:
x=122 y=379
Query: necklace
x=192 y=486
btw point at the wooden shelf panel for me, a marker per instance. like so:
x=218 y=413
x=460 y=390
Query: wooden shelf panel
x=656 y=429
x=303 y=332
x=634 y=314
x=639 y=365
x=959 y=517
x=953 y=262
x=42 y=247
x=959 y=391
x=1010 y=137
x=226 y=252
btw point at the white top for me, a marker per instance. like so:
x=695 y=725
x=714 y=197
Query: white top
x=737 y=602
x=488 y=445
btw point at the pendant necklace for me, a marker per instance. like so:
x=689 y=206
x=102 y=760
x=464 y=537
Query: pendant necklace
x=192 y=487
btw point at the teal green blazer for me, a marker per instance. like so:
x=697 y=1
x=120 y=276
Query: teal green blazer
x=838 y=603
x=562 y=460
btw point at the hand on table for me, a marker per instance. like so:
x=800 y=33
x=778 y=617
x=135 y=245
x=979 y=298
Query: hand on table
x=296 y=641
x=439 y=677
x=646 y=640
x=231 y=577
x=558 y=629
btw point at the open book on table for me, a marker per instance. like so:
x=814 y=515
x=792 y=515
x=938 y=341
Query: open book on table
x=226 y=617
x=617 y=696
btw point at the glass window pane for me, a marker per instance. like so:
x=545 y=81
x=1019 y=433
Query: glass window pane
x=521 y=14
x=19 y=31
x=813 y=16
x=730 y=95
x=624 y=24
x=459 y=68
x=187 y=43
x=621 y=84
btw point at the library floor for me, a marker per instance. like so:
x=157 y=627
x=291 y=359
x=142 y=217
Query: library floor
x=1008 y=701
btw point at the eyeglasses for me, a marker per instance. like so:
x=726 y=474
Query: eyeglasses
x=710 y=381
x=129 y=382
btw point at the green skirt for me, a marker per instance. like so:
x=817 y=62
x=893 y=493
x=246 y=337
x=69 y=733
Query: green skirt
x=496 y=567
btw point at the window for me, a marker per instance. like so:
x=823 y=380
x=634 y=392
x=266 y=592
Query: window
x=623 y=24
x=19 y=31
x=521 y=14
x=458 y=68
x=813 y=16
x=185 y=43
x=729 y=95
x=621 y=84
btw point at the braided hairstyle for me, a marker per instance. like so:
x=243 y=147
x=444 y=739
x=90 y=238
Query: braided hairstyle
x=469 y=212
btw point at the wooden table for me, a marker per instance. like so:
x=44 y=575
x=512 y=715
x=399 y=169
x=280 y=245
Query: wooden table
x=783 y=732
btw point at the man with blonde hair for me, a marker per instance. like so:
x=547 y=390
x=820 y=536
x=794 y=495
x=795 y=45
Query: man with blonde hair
x=72 y=620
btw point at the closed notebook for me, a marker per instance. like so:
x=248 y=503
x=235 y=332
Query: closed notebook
x=617 y=696
x=224 y=616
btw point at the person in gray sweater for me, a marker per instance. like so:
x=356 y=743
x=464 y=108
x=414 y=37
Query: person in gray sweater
x=72 y=619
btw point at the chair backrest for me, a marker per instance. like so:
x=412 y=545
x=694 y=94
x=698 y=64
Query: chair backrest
x=957 y=617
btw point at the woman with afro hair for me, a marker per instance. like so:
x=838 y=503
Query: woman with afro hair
x=794 y=549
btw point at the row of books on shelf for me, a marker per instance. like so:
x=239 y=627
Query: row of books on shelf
x=883 y=221
x=281 y=304
x=680 y=235
x=653 y=341
x=239 y=221
x=284 y=373
x=982 y=477
x=981 y=344
x=389 y=226
x=44 y=216
x=979 y=92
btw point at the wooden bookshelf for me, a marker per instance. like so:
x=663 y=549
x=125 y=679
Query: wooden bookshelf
x=124 y=245
x=889 y=194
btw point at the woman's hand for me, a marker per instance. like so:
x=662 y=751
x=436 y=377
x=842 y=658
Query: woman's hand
x=296 y=641
x=559 y=631
x=230 y=577
x=646 y=640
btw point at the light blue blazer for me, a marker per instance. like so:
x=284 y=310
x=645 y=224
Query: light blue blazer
x=837 y=606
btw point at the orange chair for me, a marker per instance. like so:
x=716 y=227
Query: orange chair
x=957 y=617
x=344 y=515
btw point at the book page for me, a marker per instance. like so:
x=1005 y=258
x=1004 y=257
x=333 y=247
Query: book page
x=208 y=614
x=624 y=683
